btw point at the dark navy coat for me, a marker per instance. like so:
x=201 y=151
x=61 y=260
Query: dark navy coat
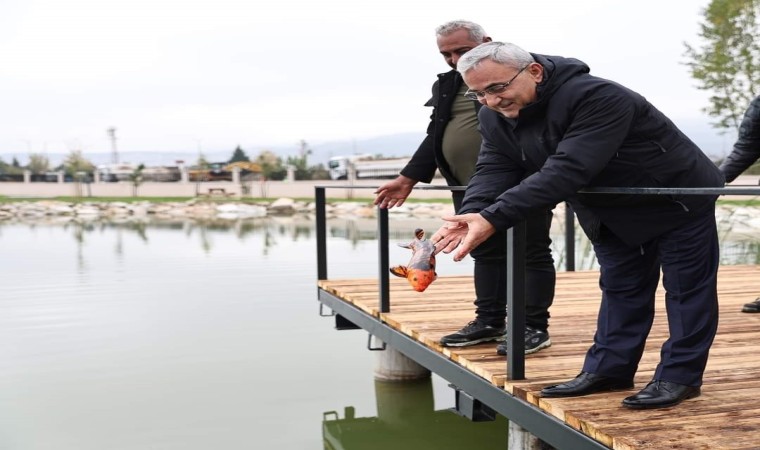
x=585 y=131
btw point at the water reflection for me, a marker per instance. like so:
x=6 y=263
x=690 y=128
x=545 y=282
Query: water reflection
x=126 y=336
x=406 y=420
x=738 y=234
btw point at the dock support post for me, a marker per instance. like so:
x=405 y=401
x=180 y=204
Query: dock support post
x=521 y=439
x=392 y=365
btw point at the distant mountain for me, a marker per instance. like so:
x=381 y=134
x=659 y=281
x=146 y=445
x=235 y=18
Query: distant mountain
x=402 y=144
x=394 y=145
x=147 y=158
x=715 y=145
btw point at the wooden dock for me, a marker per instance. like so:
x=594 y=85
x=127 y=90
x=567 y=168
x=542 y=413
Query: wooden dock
x=725 y=416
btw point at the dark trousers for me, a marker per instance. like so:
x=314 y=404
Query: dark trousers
x=688 y=257
x=490 y=274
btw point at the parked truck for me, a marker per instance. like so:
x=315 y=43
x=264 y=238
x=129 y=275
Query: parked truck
x=365 y=167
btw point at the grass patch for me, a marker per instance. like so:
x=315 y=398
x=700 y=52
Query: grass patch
x=750 y=202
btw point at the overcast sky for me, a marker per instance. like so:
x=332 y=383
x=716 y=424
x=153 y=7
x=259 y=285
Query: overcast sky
x=178 y=75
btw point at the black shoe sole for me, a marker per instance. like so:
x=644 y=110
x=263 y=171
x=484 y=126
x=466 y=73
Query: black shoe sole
x=530 y=351
x=595 y=391
x=473 y=342
x=662 y=405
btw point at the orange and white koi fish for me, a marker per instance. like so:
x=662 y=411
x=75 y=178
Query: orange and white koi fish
x=421 y=269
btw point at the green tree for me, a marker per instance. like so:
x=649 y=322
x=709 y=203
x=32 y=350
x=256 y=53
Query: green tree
x=9 y=169
x=301 y=161
x=299 y=164
x=38 y=163
x=75 y=163
x=239 y=155
x=271 y=165
x=727 y=64
x=319 y=172
x=202 y=162
x=136 y=178
x=199 y=172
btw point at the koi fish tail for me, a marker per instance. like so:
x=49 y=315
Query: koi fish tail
x=399 y=271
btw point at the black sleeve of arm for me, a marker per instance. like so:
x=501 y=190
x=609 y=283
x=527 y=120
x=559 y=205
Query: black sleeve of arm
x=747 y=147
x=422 y=166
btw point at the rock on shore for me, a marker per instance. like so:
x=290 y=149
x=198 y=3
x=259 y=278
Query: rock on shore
x=199 y=209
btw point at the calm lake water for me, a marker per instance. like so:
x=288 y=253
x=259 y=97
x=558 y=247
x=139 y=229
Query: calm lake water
x=200 y=336
x=182 y=335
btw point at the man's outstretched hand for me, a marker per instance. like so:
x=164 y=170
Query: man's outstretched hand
x=394 y=192
x=465 y=231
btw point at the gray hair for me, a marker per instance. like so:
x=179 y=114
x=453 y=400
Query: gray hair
x=475 y=31
x=499 y=52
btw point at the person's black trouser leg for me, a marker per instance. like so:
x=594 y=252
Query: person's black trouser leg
x=628 y=278
x=490 y=275
x=688 y=256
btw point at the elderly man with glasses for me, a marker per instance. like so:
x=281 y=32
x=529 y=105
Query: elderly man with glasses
x=451 y=146
x=550 y=129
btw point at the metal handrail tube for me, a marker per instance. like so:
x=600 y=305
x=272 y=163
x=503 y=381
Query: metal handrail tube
x=431 y=187
x=731 y=190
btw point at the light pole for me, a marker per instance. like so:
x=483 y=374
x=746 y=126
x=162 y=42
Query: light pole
x=114 y=153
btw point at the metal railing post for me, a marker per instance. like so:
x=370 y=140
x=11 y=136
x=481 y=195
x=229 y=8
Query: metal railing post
x=569 y=238
x=321 y=229
x=384 y=262
x=516 y=302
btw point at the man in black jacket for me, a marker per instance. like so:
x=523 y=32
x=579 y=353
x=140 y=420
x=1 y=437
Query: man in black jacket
x=551 y=129
x=746 y=152
x=452 y=145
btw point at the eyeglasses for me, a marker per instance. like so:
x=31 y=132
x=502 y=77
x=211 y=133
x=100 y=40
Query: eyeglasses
x=493 y=89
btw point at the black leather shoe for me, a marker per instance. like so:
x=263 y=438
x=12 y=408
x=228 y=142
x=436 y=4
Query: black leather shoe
x=586 y=383
x=661 y=394
x=752 y=307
